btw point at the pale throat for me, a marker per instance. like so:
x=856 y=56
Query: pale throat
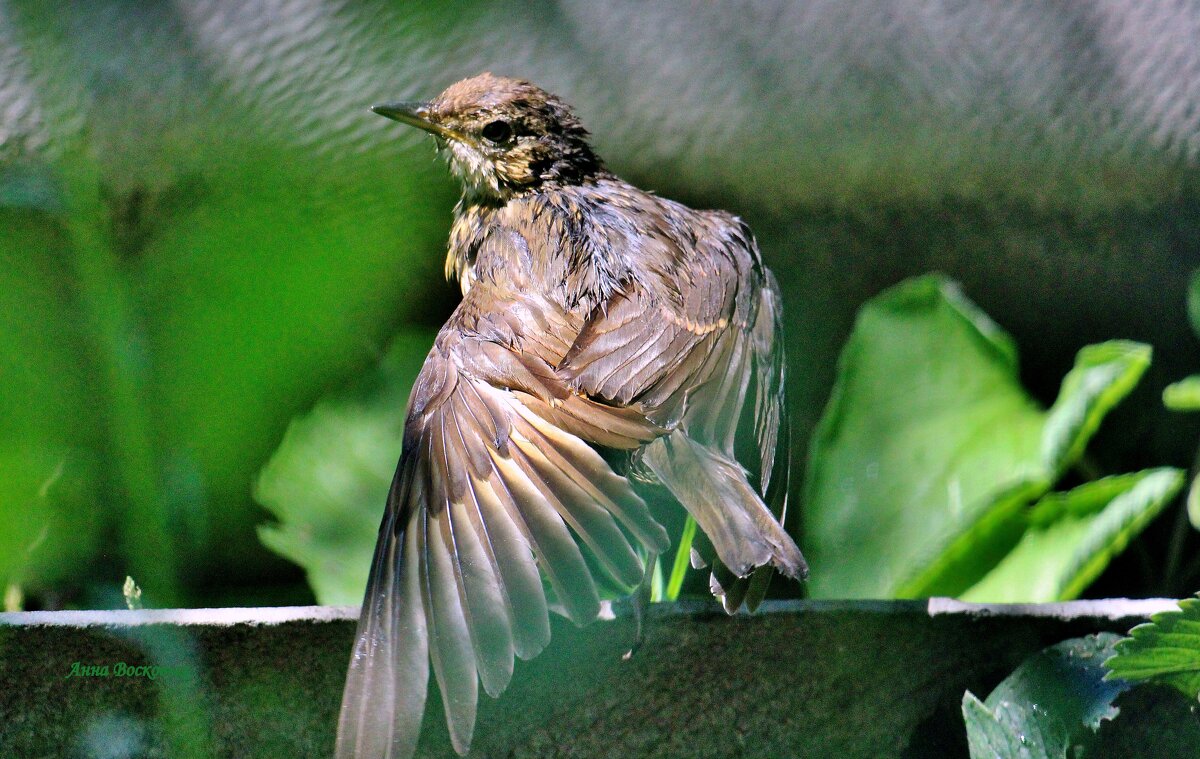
x=476 y=172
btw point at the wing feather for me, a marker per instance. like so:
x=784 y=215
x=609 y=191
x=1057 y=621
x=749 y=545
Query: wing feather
x=596 y=422
x=643 y=362
x=590 y=520
x=558 y=555
x=450 y=647
x=687 y=355
x=385 y=691
x=485 y=607
x=477 y=515
x=501 y=483
x=515 y=565
x=591 y=472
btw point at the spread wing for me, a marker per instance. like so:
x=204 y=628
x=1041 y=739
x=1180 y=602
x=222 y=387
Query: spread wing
x=707 y=362
x=692 y=354
x=495 y=482
x=499 y=485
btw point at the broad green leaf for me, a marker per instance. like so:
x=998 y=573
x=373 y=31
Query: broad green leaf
x=1050 y=706
x=925 y=426
x=328 y=481
x=1183 y=395
x=929 y=450
x=1070 y=541
x=1164 y=650
x=980 y=546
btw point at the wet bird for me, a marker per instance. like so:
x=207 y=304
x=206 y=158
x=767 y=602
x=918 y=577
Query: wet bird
x=607 y=339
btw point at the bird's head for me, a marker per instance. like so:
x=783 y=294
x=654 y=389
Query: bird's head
x=505 y=136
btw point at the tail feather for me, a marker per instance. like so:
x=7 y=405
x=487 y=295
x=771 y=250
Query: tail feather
x=741 y=528
x=389 y=674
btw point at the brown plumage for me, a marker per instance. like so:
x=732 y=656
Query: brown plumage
x=605 y=335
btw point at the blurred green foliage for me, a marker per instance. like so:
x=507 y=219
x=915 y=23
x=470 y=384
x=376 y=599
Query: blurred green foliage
x=204 y=233
x=1071 y=537
x=1184 y=395
x=172 y=291
x=930 y=456
x=328 y=481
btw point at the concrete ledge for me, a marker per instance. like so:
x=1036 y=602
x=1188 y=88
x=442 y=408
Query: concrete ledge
x=805 y=678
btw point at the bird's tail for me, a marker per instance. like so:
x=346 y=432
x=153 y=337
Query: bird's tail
x=744 y=533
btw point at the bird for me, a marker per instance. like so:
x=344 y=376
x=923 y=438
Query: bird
x=608 y=342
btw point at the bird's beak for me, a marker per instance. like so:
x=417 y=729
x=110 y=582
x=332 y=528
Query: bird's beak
x=413 y=113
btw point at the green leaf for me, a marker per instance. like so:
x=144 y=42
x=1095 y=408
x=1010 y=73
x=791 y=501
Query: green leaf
x=50 y=417
x=987 y=736
x=1074 y=535
x=980 y=546
x=1193 y=503
x=1050 y=705
x=1102 y=376
x=925 y=426
x=328 y=481
x=1085 y=500
x=1183 y=395
x=1165 y=650
x=929 y=450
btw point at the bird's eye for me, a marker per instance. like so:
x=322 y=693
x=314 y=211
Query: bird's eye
x=497 y=131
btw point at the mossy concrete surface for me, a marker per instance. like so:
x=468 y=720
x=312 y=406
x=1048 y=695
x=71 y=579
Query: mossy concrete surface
x=797 y=679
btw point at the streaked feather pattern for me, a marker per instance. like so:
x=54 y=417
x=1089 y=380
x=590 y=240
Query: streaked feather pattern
x=600 y=326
